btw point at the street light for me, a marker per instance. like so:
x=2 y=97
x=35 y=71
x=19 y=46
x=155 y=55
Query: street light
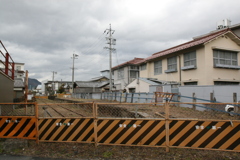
x=73 y=57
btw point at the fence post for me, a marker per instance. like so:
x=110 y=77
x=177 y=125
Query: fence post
x=194 y=101
x=121 y=94
x=132 y=98
x=36 y=123
x=95 y=123
x=167 y=125
x=234 y=97
x=179 y=99
x=126 y=97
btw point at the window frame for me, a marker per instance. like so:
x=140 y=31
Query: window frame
x=171 y=65
x=225 y=58
x=143 y=67
x=189 y=60
x=158 y=67
x=121 y=73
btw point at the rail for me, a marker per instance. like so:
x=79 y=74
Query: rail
x=6 y=63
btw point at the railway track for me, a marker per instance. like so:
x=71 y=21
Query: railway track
x=49 y=108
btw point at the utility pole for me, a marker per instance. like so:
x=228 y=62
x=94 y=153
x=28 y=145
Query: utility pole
x=26 y=86
x=53 y=85
x=111 y=42
x=73 y=57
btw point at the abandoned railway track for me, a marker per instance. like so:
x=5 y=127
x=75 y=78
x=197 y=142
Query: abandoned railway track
x=50 y=108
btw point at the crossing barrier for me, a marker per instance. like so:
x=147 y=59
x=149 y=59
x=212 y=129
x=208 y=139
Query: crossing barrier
x=120 y=124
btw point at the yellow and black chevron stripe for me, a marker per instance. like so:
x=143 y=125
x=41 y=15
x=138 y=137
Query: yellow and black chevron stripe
x=66 y=130
x=224 y=135
x=131 y=132
x=18 y=127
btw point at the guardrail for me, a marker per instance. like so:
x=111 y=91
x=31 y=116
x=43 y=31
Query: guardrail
x=7 y=62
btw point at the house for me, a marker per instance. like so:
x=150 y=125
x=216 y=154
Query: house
x=211 y=59
x=142 y=85
x=125 y=73
x=149 y=85
x=19 y=82
x=105 y=73
x=52 y=87
x=97 y=84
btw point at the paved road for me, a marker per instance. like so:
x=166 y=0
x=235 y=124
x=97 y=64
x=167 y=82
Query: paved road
x=11 y=157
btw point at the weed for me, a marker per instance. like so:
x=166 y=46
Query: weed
x=107 y=154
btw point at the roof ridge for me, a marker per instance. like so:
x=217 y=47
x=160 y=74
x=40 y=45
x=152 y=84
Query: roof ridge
x=193 y=40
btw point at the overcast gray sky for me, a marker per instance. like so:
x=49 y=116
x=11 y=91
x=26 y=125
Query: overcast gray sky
x=44 y=34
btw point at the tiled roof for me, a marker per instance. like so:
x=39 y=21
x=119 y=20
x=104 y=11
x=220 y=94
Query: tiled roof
x=131 y=62
x=82 y=84
x=195 y=42
x=148 y=81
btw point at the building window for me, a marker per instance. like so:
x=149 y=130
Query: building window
x=143 y=67
x=18 y=67
x=190 y=59
x=225 y=83
x=133 y=74
x=190 y=83
x=158 y=67
x=172 y=65
x=223 y=58
x=121 y=73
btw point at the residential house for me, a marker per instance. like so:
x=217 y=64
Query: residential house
x=19 y=82
x=125 y=73
x=105 y=73
x=211 y=59
x=97 y=84
x=52 y=87
x=142 y=85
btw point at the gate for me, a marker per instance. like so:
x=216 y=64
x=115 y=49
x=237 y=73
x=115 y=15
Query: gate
x=18 y=127
x=224 y=135
x=66 y=130
x=131 y=132
x=18 y=120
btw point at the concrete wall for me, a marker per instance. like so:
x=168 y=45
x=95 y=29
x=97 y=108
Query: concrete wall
x=220 y=93
x=139 y=85
x=6 y=89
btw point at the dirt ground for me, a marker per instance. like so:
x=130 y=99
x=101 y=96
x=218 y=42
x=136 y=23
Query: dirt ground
x=102 y=152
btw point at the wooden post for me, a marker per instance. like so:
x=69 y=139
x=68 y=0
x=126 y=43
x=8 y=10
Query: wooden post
x=167 y=125
x=126 y=97
x=234 y=97
x=179 y=99
x=121 y=94
x=194 y=101
x=36 y=123
x=132 y=98
x=95 y=123
x=26 y=91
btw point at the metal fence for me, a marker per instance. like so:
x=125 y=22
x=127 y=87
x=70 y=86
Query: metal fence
x=18 y=109
x=66 y=110
x=130 y=124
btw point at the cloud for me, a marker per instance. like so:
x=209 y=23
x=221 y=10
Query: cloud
x=45 y=34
